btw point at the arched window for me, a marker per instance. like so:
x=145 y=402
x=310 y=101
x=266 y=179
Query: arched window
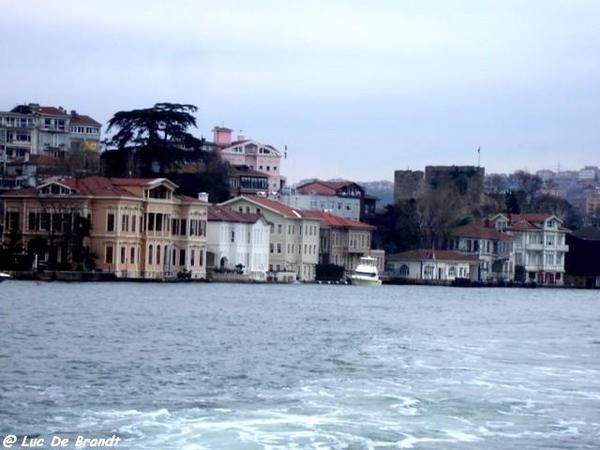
x=452 y=271
x=158 y=254
x=404 y=271
x=150 y=253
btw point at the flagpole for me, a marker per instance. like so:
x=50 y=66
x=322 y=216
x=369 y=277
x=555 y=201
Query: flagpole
x=479 y=157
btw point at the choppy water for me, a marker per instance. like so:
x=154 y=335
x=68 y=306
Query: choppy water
x=218 y=366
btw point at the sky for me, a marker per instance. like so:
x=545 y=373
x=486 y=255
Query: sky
x=354 y=89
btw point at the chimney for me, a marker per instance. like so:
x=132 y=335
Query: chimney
x=241 y=138
x=222 y=136
x=203 y=196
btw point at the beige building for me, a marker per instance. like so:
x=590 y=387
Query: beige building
x=294 y=237
x=139 y=227
x=342 y=241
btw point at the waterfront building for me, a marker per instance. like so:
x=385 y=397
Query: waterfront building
x=237 y=242
x=253 y=154
x=294 y=235
x=539 y=245
x=342 y=241
x=138 y=228
x=432 y=265
x=492 y=248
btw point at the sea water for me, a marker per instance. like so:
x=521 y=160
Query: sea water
x=236 y=366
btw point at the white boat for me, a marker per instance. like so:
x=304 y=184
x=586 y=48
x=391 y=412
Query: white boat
x=366 y=273
x=4 y=276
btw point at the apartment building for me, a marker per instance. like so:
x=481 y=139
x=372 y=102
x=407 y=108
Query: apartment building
x=45 y=130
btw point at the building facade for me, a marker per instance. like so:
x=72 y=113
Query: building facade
x=493 y=249
x=238 y=242
x=293 y=239
x=45 y=130
x=429 y=265
x=338 y=198
x=539 y=245
x=342 y=241
x=138 y=228
x=246 y=152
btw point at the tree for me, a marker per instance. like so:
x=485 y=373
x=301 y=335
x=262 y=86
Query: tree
x=154 y=137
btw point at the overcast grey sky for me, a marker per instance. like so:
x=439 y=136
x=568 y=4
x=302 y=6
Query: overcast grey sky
x=355 y=89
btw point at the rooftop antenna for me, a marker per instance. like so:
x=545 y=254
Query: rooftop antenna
x=479 y=157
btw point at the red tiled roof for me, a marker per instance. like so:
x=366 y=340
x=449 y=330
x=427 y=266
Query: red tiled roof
x=50 y=110
x=480 y=231
x=431 y=255
x=317 y=188
x=46 y=160
x=273 y=205
x=218 y=213
x=103 y=187
x=139 y=181
x=336 y=221
x=188 y=199
x=529 y=217
x=82 y=119
x=325 y=187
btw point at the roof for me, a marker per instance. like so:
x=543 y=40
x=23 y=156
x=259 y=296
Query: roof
x=82 y=119
x=188 y=199
x=481 y=232
x=237 y=170
x=218 y=213
x=431 y=255
x=587 y=233
x=336 y=221
x=50 y=110
x=272 y=205
x=326 y=187
x=95 y=186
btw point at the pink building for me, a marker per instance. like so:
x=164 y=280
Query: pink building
x=246 y=152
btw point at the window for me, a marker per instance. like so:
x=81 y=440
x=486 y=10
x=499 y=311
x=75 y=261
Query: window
x=232 y=236
x=133 y=221
x=125 y=223
x=278 y=248
x=404 y=271
x=123 y=255
x=182 y=257
x=110 y=222
x=158 y=254
x=193 y=258
x=12 y=220
x=150 y=254
x=109 y=254
x=132 y=255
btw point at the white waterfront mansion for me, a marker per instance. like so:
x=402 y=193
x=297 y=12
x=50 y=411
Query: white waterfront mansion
x=238 y=242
